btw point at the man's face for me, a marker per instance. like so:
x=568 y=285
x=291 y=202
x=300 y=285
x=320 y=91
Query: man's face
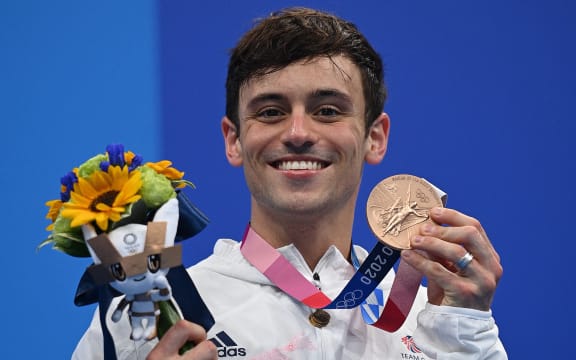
x=302 y=140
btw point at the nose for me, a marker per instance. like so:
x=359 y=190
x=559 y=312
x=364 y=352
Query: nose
x=299 y=133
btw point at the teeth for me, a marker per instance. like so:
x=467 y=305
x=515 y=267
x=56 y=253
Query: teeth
x=300 y=165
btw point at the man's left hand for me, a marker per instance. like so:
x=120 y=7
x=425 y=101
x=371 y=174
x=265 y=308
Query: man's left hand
x=437 y=249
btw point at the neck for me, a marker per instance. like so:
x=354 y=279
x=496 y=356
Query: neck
x=311 y=236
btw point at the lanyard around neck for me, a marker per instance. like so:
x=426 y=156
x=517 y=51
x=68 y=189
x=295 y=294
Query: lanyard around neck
x=369 y=274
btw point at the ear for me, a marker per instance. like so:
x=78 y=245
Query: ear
x=232 y=142
x=89 y=232
x=377 y=139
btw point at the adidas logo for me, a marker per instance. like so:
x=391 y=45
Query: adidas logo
x=226 y=346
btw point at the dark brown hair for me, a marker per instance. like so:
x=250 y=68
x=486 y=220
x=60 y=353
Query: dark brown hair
x=295 y=34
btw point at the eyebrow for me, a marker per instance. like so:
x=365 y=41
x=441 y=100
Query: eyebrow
x=317 y=95
x=335 y=93
x=264 y=97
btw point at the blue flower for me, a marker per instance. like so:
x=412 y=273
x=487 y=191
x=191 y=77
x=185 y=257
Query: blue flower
x=116 y=154
x=67 y=182
x=137 y=160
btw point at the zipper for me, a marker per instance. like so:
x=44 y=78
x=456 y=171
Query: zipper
x=316 y=280
x=321 y=335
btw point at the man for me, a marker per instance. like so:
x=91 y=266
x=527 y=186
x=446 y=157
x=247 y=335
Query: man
x=304 y=113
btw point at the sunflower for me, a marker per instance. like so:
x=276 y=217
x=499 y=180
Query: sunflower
x=55 y=206
x=102 y=197
x=165 y=168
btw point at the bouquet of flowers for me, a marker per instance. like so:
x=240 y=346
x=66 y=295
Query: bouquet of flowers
x=104 y=190
x=126 y=215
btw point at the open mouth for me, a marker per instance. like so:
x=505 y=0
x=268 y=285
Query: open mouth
x=300 y=165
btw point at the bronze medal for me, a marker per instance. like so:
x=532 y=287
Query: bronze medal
x=396 y=205
x=319 y=318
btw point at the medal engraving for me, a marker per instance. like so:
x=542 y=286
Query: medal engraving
x=396 y=205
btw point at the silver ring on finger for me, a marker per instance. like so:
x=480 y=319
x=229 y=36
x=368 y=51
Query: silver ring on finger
x=464 y=261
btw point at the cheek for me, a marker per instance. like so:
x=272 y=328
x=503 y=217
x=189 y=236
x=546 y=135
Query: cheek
x=350 y=140
x=255 y=140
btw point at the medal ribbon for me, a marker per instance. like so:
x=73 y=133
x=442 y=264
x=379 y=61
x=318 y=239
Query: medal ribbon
x=379 y=261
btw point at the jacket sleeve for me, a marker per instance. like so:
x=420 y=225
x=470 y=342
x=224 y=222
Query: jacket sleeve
x=446 y=333
x=91 y=345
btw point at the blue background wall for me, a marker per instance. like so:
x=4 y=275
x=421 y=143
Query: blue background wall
x=481 y=98
x=74 y=77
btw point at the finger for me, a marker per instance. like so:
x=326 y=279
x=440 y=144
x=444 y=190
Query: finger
x=438 y=250
x=450 y=288
x=435 y=292
x=175 y=338
x=452 y=243
x=472 y=287
x=206 y=350
x=455 y=218
x=429 y=268
x=464 y=230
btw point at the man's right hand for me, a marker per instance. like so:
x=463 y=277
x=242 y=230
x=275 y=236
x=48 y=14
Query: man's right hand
x=181 y=332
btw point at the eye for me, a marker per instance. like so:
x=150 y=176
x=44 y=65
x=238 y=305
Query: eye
x=154 y=262
x=328 y=111
x=118 y=272
x=269 y=114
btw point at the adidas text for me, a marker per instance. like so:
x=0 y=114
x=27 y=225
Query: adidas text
x=231 y=351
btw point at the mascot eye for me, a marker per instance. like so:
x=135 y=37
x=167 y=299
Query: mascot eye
x=154 y=262
x=118 y=272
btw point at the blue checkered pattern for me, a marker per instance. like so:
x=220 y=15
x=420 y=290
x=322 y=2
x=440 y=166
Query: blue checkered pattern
x=373 y=306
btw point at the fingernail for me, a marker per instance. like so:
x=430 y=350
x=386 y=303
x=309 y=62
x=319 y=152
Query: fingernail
x=427 y=228
x=417 y=239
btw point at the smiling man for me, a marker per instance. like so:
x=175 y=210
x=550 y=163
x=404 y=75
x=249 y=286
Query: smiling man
x=305 y=94
x=301 y=140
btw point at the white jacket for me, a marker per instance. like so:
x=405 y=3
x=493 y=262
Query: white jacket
x=255 y=320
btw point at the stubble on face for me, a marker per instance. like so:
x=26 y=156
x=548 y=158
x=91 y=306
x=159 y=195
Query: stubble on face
x=295 y=99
